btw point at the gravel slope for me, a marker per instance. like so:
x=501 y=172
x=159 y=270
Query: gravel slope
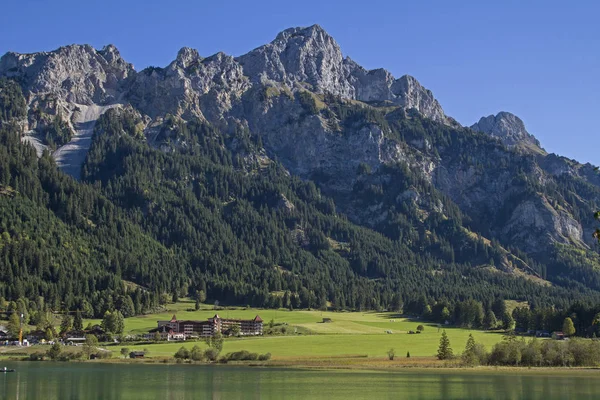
x=71 y=156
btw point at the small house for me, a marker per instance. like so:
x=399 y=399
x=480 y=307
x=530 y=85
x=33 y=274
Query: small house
x=35 y=336
x=558 y=336
x=327 y=320
x=136 y=354
x=96 y=330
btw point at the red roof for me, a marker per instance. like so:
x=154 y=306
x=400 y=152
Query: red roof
x=258 y=319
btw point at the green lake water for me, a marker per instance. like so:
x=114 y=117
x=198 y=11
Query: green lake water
x=46 y=380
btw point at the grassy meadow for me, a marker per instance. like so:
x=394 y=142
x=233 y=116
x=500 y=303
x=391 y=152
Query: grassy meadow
x=350 y=334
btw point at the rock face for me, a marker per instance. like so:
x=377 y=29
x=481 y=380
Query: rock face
x=74 y=83
x=190 y=86
x=74 y=74
x=220 y=89
x=300 y=56
x=282 y=92
x=507 y=127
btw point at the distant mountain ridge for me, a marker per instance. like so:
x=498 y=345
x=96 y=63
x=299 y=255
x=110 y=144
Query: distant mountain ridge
x=380 y=147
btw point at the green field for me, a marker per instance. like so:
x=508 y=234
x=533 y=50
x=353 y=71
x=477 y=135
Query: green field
x=349 y=333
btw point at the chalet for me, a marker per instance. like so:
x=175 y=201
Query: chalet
x=175 y=329
x=558 y=336
x=35 y=336
x=4 y=335
x=95 y=330
x=137 y=354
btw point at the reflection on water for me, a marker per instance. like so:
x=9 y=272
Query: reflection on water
x=45 y=380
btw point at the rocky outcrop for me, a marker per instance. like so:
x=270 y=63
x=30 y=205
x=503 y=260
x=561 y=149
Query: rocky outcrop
x=75 y=84
x=72 y=74
x=508 y=128
x=310 y=58
x=191 y=86
x=534 y=223
x=298 y=56
x=380 y=85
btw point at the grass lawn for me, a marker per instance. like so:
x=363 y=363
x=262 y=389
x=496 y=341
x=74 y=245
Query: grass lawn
x=331 y=345
x=349 y=333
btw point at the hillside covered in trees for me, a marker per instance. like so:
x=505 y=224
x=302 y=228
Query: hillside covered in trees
x=278 y=189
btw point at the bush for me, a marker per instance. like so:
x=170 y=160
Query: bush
x=551 y=353
x=391 y=353
x=182 y=354
x=242 y=355
x=211 y=354
x=264 y=357
x=103 y=355
x=196 y=354
x=36 y=356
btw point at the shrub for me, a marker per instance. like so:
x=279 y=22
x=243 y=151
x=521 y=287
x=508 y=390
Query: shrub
x=103 y=355
x=196 y=354
x=391 y=353
x=211 y=354
x=182 y=354
x=36 y=356
x=242 y=355
x=264 y=357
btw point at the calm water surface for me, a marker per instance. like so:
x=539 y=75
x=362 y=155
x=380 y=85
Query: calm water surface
x=45 y=380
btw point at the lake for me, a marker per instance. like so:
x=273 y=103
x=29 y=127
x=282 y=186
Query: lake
x=47 y=380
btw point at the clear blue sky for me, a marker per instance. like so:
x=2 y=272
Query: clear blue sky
x=537 y=59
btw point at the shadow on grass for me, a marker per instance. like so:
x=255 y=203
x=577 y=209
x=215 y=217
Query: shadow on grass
x=431 y=324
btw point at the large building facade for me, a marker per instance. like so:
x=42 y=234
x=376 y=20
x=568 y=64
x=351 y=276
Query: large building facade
x=175 y=329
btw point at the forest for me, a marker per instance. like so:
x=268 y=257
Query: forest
x=194 y=213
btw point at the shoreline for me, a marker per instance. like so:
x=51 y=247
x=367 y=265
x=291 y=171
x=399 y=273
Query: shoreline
x=372 y=365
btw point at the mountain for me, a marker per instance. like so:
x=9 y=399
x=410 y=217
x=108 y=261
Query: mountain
x=509 y=129
x=291 y=169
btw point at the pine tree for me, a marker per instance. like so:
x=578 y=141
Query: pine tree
x=78 y=321
x=444 y=350
x=14 y=325
x=490 y=321
x=65 y=324
x=469 y=356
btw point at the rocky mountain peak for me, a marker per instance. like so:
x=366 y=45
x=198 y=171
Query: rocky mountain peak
x=507 y=127
x=313 y=32
x=300 y=55
x=111 y=54
x=187 y=57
